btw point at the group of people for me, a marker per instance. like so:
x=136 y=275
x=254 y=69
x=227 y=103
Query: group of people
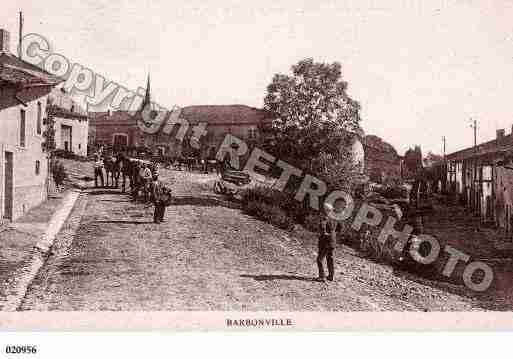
x=142 y=176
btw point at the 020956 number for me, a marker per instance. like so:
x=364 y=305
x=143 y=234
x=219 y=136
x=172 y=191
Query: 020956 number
x=20 y=349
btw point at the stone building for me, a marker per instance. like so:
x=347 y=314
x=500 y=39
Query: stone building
x=120 y=128
x=382 y=163
x=482 y=178
x=24 y=90
x=71 y=123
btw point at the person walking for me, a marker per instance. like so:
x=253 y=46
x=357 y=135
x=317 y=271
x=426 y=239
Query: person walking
x=327 y=243
x=98 y=170
x=157 y=195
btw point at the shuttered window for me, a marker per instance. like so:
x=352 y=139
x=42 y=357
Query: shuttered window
x=22 y=128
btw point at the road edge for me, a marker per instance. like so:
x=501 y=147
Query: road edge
x=30 y=270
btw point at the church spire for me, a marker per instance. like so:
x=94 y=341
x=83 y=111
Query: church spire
x=147 y=96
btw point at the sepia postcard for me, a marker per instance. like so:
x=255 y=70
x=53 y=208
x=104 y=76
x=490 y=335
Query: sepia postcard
x=272 y=165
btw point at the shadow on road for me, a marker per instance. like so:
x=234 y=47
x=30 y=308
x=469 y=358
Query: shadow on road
x=204 y=201
x=99 y=192
x=262 y=277
x=124 y=222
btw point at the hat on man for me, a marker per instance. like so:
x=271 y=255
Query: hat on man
x=328 y=207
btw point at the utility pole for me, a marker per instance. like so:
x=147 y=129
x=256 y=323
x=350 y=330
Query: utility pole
x=443 y=144
x=20 y=35
x=474 y=126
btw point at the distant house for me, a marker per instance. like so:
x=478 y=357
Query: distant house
x=382 y=163
x=24 y=90
x=241 y=121
x=71 y=123
x=482 y=178
x=120 y=129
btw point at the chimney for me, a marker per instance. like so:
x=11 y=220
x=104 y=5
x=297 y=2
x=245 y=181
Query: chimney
x=4 y=41
x=500 y=133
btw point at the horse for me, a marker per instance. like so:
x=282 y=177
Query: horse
x=135 y=181
x=124 y=166
x=111 y=170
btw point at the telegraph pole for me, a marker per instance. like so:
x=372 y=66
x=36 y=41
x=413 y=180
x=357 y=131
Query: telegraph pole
x=20 y=35
x=474 y=126
x=443 y=144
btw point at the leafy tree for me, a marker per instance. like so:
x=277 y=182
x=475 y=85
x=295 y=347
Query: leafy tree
x=316 y=118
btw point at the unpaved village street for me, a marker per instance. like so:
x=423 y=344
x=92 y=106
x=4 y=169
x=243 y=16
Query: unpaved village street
x=208 y=255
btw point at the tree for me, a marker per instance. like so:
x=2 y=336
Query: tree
x=316 y=119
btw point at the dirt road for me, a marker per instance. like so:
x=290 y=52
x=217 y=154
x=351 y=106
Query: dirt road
x=208 y=255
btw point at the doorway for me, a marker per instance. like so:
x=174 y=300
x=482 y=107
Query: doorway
x=9 y=186
x=66 y=136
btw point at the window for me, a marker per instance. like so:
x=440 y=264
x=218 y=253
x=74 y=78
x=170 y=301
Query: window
x=252 y=132
x=22 y=128
x=38 y=167
x=39 y=119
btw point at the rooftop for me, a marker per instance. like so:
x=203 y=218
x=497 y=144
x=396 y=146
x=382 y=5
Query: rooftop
x=21 y=73
x=501 y=144
x=211 y=114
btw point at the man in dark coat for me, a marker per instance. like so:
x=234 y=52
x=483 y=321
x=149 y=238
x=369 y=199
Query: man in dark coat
x=157 y=195
x=327 y=243
x=134 y=180
x=98 y=170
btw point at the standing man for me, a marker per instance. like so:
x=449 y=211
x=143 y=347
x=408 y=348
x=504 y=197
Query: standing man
x=327 y=243
x=123 y=168
x=145 y=176
x=155 y=167
x=157 y=195
x=135 y=181
x=98 y=170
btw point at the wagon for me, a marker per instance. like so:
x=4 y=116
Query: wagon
x=232 y=182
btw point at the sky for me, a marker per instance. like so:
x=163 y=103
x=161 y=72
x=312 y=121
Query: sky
x=420 y=69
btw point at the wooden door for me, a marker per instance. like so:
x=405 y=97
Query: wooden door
x=9 y=186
